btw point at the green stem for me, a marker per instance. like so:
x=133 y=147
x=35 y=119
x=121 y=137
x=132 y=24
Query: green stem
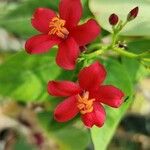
x=94 y=46
x=102 y=48
x=114 y=38
x=116 y=32
x=123 y=25
x=132 y=55
x=96 y=53
x=145 y=54
x=125 y=53
x=146 y=59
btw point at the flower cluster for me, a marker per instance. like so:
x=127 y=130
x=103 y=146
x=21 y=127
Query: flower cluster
x=88 y=95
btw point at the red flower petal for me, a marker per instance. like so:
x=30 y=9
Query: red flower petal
x=66 y=110
x=67 y=54
x=71 y=11
x=41 y=19
x=91 y=77
x=97 y=117
x=63 y=88
x=110 y=95
x=40 y=43
x=86 y=33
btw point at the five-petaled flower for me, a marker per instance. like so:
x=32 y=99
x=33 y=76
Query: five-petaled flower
x=62 y=30
x=85 y=96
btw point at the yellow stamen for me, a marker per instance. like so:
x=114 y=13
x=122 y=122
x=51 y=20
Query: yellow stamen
x=85 y=104
x=57 y=27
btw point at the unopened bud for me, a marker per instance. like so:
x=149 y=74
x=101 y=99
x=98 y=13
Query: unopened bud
x=133 y=14
x=113 y=19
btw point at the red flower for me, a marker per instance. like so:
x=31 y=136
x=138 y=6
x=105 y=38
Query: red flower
x=85 y=96
x=62 y=30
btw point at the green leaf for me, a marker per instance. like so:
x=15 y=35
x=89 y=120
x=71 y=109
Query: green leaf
x=48 y=122
x=27 y=7
x=134 y=68
x=117 y=76
x=21 y=26
x=22 y=144
x=102 y=9
x=18 y=20
x=72 y=138
x=64 y=134
x=24 y=77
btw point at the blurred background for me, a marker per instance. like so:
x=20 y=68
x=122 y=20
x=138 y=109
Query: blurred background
x=22 y=125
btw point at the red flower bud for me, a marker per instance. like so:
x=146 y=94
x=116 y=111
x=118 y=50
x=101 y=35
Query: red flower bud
x=113 y=19
x=133 y=14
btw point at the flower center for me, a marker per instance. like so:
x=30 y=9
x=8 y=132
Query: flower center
x=85 y=104
x=57 y=27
